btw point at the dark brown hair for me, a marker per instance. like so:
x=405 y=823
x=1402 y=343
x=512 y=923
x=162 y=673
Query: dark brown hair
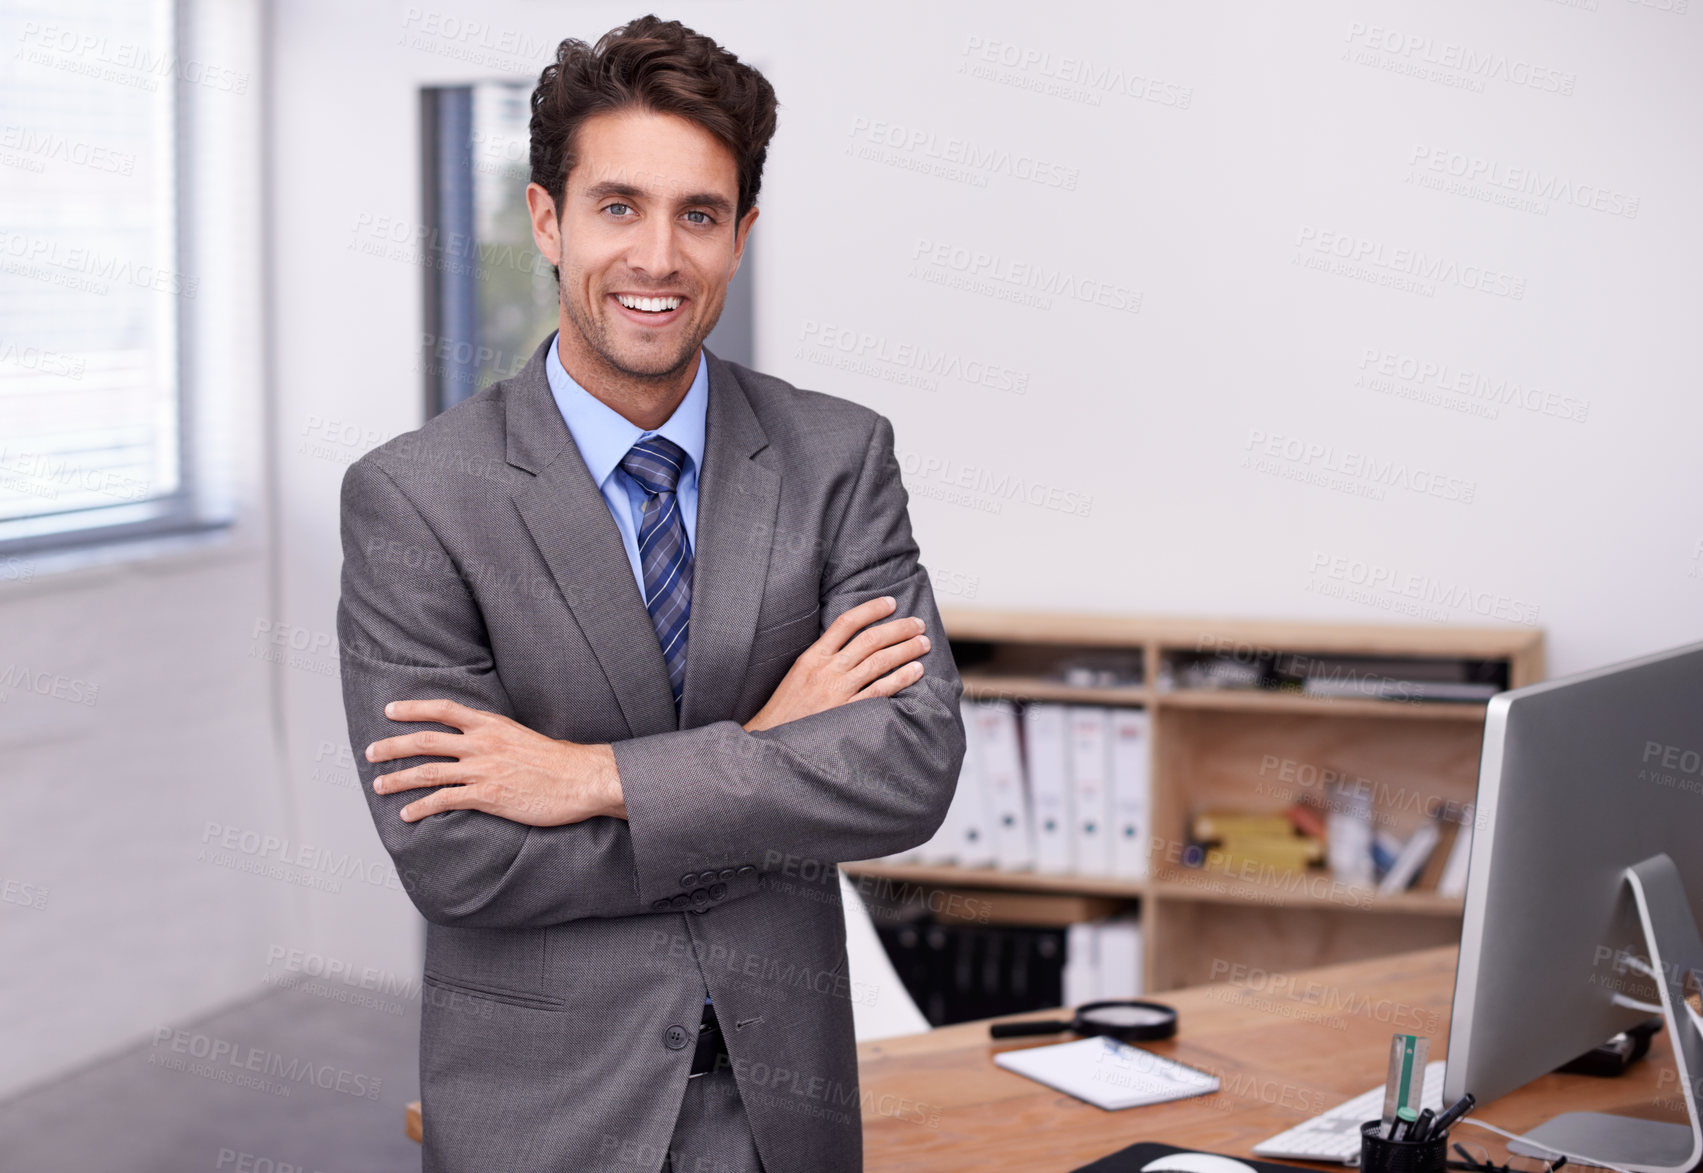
x=657 y=65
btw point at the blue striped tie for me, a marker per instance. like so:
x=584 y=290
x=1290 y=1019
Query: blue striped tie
x=665 y=555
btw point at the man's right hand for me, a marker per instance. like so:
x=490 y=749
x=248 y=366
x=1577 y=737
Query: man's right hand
x=844 y=666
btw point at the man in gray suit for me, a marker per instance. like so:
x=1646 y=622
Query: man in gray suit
x=613 y=671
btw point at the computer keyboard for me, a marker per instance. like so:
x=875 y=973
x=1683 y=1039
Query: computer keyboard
x=1335 y=1135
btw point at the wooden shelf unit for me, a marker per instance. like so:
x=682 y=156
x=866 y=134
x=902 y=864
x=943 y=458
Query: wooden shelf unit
x=1248 y=750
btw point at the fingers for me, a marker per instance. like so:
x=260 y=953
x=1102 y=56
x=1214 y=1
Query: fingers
x=449 y=798
x=878 y=637
x=892 y=682
x=442 y=711
x=880 y=663
x=428 y=742
x=416 y=777
x=849 y=624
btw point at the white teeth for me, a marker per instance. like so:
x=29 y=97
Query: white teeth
x=654 y=305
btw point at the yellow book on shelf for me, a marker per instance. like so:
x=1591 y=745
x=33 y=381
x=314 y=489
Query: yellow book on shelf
x=1268 y=852
x=1211 y=826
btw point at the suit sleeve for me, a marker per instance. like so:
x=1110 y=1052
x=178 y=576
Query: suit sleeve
x=408 y=628
x=859 y=781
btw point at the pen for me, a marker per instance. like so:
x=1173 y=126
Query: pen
x=1402 y=1087
x=1421 y=1126
x=1403 y=1129
x=1461 y=1107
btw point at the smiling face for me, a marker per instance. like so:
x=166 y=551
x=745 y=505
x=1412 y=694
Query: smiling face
x=647 y=243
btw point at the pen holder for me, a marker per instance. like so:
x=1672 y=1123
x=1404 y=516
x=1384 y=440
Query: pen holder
x=1379 y=1155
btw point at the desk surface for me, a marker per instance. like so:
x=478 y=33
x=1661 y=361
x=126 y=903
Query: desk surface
x=1285 y=1048
x=937 y=1102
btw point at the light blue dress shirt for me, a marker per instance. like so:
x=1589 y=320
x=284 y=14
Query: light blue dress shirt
x=604 y=436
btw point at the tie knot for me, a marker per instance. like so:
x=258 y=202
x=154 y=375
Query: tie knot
x=655 y=462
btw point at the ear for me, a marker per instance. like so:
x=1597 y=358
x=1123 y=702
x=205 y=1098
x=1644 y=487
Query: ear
x=742 y=234
x=546 y=222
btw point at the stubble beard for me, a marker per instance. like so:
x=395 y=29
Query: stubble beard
x=596 y=335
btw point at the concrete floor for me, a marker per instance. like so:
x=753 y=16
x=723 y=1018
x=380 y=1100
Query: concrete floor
x=180 y=1106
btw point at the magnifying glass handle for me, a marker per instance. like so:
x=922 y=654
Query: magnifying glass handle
x=1013 y=1030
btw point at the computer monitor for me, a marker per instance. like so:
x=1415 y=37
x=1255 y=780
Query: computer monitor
x=1587 y=850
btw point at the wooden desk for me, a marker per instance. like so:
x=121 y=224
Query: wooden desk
x=1281 y=1056
x=936 y=1102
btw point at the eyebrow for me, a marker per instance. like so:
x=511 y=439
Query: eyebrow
x=701 y=199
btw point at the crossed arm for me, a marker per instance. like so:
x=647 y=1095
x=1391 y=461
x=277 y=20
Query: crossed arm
x=508 y=828
x=505 y=769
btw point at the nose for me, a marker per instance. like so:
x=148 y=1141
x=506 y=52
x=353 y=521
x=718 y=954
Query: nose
x=655 y=252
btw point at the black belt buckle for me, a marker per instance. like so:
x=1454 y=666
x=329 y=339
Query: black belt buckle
x=712 y=1048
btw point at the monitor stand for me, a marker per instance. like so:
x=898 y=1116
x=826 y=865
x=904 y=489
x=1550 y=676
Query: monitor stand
x=1649 y=1146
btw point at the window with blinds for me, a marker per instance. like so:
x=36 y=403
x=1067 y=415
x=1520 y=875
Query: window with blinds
x=91 y=289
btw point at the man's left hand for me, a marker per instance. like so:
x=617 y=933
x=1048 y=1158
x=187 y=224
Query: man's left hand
x=501 y=767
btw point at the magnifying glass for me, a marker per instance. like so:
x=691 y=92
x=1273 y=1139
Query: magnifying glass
x=1129 y=1021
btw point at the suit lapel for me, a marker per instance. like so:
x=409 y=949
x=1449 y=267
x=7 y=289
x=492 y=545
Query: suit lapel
x=570 y=522
x=737 y=503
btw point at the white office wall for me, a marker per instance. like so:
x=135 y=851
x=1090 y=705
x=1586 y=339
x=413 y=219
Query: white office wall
x=1234 y=135
x=137 y=716
x=964 y=198
x=1246 y=443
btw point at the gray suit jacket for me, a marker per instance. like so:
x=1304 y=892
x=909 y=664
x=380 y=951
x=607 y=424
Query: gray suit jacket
x=566 y=967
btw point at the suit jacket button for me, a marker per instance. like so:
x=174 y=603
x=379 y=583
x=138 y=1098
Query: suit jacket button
x=726 y=874
x=659 y=905
x=687 y=880
x=746 y=870
x=706 y=878
x=718 y=891
x=675 y=1037
x=680 y=901
x=700 y=897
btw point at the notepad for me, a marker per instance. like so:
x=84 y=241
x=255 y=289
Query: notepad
x=1108 y=1074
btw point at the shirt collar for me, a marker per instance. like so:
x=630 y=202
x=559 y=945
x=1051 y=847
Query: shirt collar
x=604 y=436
